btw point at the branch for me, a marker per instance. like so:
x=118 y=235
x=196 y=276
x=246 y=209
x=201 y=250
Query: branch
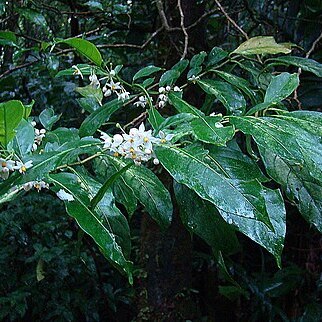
x=315 y=42
x=162 y=15
x=231 y=20
x=9 y=71
x=186 y=37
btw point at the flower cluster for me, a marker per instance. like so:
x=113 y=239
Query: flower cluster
x=39 y=135
x=110 y=86
x=38 y=185
x=163 y=95
x=8 y=165
x=137 y=145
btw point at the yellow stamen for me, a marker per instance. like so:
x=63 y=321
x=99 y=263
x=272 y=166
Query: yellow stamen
x=116 y=154
x=146 y=140
x=23 y=169
x=4 y=164
x=163 y=140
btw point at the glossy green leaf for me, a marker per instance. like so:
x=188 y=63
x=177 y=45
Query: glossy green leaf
x=189 y=166
x=146 y=71
x=243 y=204
x=96 y=119
x=11 y=113
x=85 y=48
x=228 y=95
x=281 y=87
x=90 y=91
x=110 y=215
x=306 y=64
x=203 y=219
x=85 y=69
x=291 y=148
x=240 y=83
x=170 y=76
x=149 y=190
x=198 y=59
x=48 y=118
x=107 y=185
x=123 y=192
x=24 y=138
x=90 y=222
x=261 y=45
x=155 y=118
x=205 y=128
x=216 y=55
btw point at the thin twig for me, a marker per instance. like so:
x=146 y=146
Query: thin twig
x=186 y=37
x=299 y=71
x=231 y=20
x=9 y=71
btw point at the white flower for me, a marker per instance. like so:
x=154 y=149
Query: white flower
x=28 y=185
x=124 y=95
x=112 y=73
x=194 y=79
x=35 y=184
x=161 y=90
x=156 y=161
x=114 y=86
x=107 y=140
x=165 y=138
x=77 y=71
x=177 y=89
x=94 y=81
x=65 y=196
x=22 y=167
x=107 y=92
x=161 y=104
x=141 y=102
x=168 y=88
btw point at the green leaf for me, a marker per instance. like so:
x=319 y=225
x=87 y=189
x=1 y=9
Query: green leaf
x=85 y=48
x=291 y=148
x=188 y=166
x=203 y=219
x=155 y=118
x=259 y=107
x=261 y=45
x=90 y=91
x=89 y=104
x=240 y=83
x=182 y=106
x=85 y=69
x=229 y=96
x=8 y=38
x=107 y=184
x=170 y=76
x=122 y=191
x=110 y=215
x=216 y=55
x=48 y=118
x=96 y=119
x=90 y=222
x=281 y=87
x=64 y=154
x=24 y=139
x=198 y=59
x=146 y=71
x=306 y=64
x=11 y=113
x=205 y=128
x=244 y=204
x=149 y=190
